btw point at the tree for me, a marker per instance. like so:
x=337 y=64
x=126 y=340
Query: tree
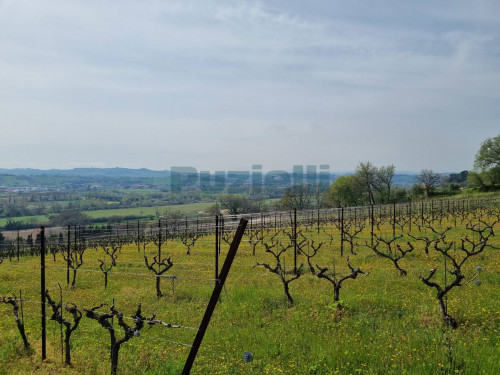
x=487 y=164
x=367 y=175
x=214 y=209
x=346 y=190
x=488 y=155
x=384 y=177
x=238 y=204
x=297 y=196
x=70 y=217
x=429 y=180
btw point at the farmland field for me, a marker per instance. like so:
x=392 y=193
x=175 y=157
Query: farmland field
x=119 y=212
x=384 y=323
x=148 y=211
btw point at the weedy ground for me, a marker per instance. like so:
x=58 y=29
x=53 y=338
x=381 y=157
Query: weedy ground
x=388 y=324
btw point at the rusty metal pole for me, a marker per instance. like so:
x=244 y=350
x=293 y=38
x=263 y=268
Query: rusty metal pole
x=215 y=296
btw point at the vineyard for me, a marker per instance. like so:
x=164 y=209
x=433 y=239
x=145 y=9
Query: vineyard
x=393 y=289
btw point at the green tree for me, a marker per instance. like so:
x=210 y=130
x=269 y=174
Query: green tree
x=347 y=191
x=214 y=209
x=70 y=217
x=239 y=204
x=486 y=172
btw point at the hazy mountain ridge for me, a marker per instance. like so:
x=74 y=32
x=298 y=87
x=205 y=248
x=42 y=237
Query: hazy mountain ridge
x=87 y=172
x=81 y=176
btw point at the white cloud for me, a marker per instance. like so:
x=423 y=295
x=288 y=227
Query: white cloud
x=206 y=83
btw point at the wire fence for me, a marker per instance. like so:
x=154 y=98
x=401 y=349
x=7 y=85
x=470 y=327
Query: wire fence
x=295 y=230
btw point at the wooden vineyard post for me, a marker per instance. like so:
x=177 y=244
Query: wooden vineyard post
x=215 y=296
x=42 y=293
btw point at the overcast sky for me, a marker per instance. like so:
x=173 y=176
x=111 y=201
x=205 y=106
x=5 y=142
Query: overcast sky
x=221 y=85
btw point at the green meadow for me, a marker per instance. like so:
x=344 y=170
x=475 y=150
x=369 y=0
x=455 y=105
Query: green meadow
x=384 y=323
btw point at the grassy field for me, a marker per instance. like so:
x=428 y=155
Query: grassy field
x=148 y=211
x=27 y=219
x=121 y=212
x=389 y=324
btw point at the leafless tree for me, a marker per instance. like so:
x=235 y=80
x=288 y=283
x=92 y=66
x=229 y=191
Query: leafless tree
x=159 y=267
x=69 y=327
x=456 y=258
x=105 y=268
x=189 y=238
x=277 y=250
x=434 y=236
x=367 y=177
x=392 y=250
x=329 y=235
x=384 y=176
x=337 y=280
x=428 y=179
x=312 y=250
x=75 y=259
x=104 y=319
x=352 y=227
x=20 y=323
x=255 y=237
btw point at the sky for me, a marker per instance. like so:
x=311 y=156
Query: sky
x=224 y=85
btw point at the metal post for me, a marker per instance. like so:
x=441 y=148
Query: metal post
x=372 y=223
x=295 y=240
x=18 y=245
x=221 y=232
x=393 y=219
x=215 y=296
x=409 y=208
x=422 y=211
x=42 y=294
x=68 y=262
x=216 y=248
x=159 y=240
x=318 y=220
x=342 y=232
x=74 y=238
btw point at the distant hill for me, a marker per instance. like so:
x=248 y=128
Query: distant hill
x=405 y=180
x=127 y=176
x=87 y=172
